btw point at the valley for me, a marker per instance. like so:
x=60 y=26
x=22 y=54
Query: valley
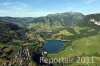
x=80 y=37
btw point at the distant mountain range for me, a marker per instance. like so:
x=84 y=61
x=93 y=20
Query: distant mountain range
x=18 y=20
x=95 y=18
x=64 y=19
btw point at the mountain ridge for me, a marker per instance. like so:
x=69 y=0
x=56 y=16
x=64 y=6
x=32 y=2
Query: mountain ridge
x=66 y=18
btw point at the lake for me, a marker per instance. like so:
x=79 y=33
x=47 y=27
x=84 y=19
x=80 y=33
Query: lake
x=52 y=46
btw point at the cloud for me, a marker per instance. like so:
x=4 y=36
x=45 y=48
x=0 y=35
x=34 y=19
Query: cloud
x=71 y=6
x=18 y=9
x=89 y=1
x=13 y=6
x=37 y=13
x=39 y=1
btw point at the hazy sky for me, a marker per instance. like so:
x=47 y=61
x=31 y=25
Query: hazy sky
x=36 y=8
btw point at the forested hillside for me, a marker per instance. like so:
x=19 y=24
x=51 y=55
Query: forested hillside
x=79 y=33
x=10 y=31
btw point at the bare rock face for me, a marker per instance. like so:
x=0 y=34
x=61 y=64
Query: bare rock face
x=95 y=22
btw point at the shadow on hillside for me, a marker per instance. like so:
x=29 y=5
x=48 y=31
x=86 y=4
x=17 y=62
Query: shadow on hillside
x=36 y=57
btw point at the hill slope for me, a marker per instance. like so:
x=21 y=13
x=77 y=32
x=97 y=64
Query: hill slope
x=9 y=31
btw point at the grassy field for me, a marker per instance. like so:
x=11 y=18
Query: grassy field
x=87 y=46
